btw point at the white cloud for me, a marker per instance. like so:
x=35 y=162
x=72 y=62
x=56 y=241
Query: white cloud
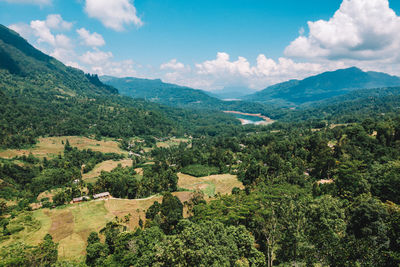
x=223 y=72
x=113 y=14
x=359 y=30
x=96 y=57
x=173 y=64
x=42 y=31
x=90 y=39
x=123 y=68
x=47 y=37
x=102 y=63
x=55 y=21
x=34 y=2
x=23 y=29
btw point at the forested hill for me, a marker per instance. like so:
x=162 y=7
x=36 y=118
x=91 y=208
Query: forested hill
x=40 y=96
x=160 y=92
x=323 y=86
x=21 y=62
x=183 y=97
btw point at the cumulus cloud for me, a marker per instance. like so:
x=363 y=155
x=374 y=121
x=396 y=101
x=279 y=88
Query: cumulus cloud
x=90 y=39
x=103 y=63
x=49 y=36
x=22 y=28
x=173 y=64
x=124 y=68
x=223 y=72
x=359 y=30
x=113 y=14
x=34 y=2
x=96 y=57
x=56 y=22
x=42 y=31
x=57 y=45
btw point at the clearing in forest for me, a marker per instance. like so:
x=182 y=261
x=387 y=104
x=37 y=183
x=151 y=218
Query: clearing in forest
x=106 y=166
x=53 y=146
x=172 y=142
x=71 y=225
x=210 y=185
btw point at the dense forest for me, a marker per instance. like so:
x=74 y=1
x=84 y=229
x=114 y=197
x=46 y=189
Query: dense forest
x=311 y=197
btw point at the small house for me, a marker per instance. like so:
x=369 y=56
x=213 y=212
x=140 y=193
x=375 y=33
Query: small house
x=79 y=199
x=103 y=195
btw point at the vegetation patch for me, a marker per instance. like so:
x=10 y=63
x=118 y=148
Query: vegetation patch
x=199 y=170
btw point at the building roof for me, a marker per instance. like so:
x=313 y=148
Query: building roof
x=76 y=199
x=104 y=194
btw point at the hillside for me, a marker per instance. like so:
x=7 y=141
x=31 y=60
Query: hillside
x=160 y=92
x=183 y=97
x=322 y=86
x=42 y=97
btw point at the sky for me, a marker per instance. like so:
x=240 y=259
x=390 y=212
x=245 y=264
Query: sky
x=212 y=44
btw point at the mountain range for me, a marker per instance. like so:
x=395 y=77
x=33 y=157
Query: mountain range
x=322 y=86
x=287 y=94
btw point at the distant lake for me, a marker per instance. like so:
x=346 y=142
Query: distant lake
x=246 y=118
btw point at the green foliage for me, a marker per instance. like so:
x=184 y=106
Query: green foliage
x=171 y=211
x=19 y=254
x=123 y=183
x=198 y=170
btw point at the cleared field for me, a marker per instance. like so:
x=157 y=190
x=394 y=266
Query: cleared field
x=71 y=225
x=172 y=142
x=49 y=194
x=107 y=166
x=210 y=185
x=52 y=146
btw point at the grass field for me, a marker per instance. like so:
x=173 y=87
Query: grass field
x=52 y=146
x=172 y=142
x=71 y=225
x=107 y=166
x=210 y=185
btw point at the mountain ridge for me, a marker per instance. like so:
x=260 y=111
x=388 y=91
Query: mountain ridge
x=323 y=86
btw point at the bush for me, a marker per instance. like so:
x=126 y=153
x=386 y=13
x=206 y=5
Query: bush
x=15 y=229
x=198 y=170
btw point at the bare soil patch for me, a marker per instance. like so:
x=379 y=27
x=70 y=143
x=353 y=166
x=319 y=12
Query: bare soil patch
x=62 y=225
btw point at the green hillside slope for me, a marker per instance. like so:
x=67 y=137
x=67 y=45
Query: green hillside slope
x=40 y=96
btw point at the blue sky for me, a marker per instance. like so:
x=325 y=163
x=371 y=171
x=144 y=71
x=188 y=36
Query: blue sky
x=211 y=44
